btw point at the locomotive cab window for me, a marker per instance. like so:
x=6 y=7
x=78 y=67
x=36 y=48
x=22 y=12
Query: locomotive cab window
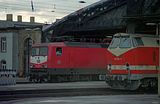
x=139 y=41
x=125 y=42
x=39 y=51
x=43 y=51
x=121 y=42
x=115 y=42
x=58 y=51
x=35 y=51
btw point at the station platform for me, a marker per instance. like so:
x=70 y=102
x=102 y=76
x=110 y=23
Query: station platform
x=47 y=86
x=32 y=90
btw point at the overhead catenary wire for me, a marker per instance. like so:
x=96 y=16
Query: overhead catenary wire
x=41 y=8
x=43 y=4
x=37 y=7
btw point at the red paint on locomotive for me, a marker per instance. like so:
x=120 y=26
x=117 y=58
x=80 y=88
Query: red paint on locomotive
x=133 y=59
x=79 y=58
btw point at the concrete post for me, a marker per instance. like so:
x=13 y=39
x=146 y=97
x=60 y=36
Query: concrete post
x=131 y=27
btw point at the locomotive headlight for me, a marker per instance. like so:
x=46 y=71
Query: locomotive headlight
x=127 y=66
x=44 y=66
x=31 y=65
x=109 y=66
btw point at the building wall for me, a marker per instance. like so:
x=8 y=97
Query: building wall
x=7 y=56
x=23 y=35
x=15 y=51
x=16 y=33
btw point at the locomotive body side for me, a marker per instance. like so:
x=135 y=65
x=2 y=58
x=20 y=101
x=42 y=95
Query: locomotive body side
x=135 y=64
x=72 y=62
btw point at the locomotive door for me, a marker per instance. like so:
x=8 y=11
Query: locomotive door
x=58 y=57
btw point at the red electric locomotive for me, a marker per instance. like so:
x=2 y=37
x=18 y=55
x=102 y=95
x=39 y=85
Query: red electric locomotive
x=67 y=61
x=133 y=61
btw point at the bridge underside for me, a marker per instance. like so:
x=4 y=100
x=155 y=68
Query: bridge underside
x=107 y=18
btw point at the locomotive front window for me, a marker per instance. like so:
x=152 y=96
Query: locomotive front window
x=39 y=51
x=139 y=41
x=125 y=42
x=35 y=51
x=115 y=42
x=43 y=51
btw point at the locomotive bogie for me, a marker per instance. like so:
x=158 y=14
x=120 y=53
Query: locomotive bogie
x=64 y=75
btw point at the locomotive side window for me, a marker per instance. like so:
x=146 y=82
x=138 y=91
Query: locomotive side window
x=58 y=51
x=139 y=41
x=43 y=51
x=115 y=42
x=125 y=42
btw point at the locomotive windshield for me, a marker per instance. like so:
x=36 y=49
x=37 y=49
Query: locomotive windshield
x=43 y=51
x=121 y=42
x=138 y=41
x=39 y=51
x=125 y=42
x=115 y=42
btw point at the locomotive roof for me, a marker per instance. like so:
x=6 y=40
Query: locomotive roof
x=136 y=35
x=147 y=40
x=72 y=44
x=52 y=44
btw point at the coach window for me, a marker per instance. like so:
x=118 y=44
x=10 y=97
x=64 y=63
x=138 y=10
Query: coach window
x=58 y=51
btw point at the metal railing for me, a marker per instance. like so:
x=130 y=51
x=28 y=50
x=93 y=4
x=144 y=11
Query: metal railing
x=7 y=77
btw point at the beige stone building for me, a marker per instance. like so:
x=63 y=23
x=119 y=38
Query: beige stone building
x=16 y=38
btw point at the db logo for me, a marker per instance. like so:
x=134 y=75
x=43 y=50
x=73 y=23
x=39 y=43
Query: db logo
x=58 y=62
x=117 y=58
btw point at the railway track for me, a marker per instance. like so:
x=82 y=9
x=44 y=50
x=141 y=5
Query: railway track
x=14 y=95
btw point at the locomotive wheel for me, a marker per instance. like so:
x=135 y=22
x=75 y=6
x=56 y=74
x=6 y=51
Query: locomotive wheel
x=124 y=85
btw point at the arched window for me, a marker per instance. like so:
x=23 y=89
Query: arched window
x=3 y=44
x=3 y=64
